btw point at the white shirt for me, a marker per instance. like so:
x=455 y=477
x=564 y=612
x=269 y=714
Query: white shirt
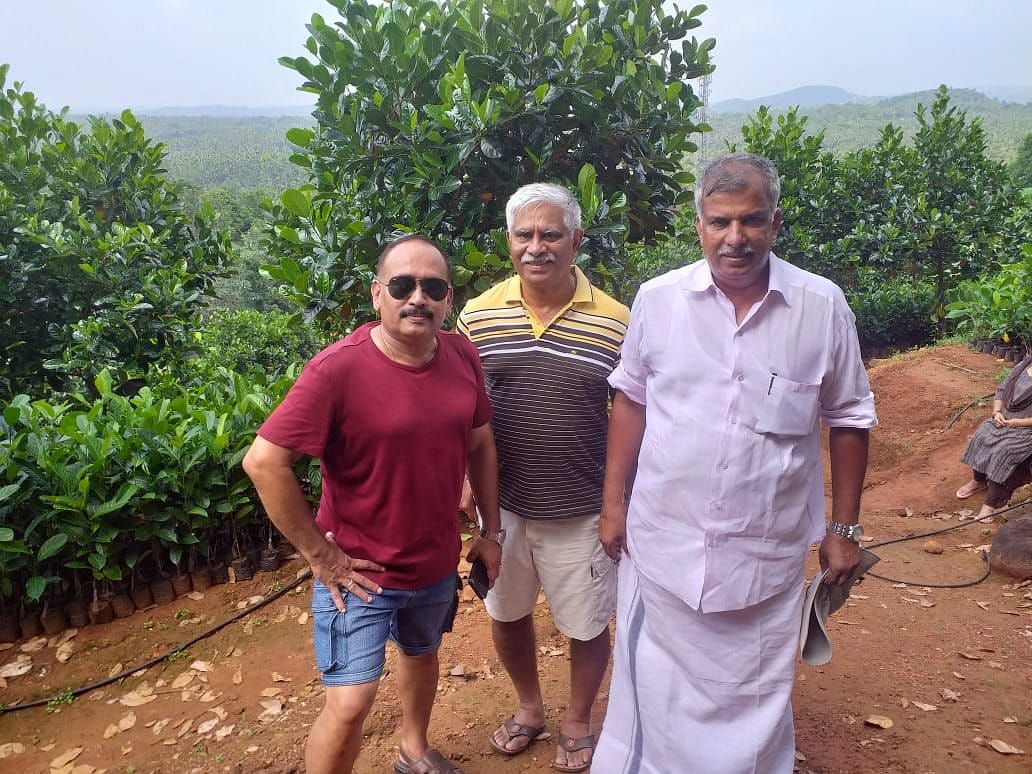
x=729 y=491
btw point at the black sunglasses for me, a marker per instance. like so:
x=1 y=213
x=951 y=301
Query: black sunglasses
x=403 y=286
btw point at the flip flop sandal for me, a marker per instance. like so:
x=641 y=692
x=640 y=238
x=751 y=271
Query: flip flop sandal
x=570 y=744
x=964 y=493
x=432 y=762
x=513 y=730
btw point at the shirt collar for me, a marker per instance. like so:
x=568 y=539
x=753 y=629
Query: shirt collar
x=700 y=280
x=583 y=293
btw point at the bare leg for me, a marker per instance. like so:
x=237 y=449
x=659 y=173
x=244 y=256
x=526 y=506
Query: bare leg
x=516 y=644
x=417 y=687
x=588 y=662
x=336 y=736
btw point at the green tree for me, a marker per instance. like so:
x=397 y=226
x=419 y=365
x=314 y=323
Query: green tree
x=100 y=266
x=431 y=114
x=1021 y=168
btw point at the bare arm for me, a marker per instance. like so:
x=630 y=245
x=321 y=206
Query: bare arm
x=271 y=468
x=626 y=430
x=482 y=466
x=847 y=447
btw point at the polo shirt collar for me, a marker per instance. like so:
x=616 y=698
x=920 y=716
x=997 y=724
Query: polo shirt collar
x=582 y=293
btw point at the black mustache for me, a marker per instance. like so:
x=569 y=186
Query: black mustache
x=416 y=312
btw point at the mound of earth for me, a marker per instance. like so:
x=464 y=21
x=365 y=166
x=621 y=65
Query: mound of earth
x=924 y=678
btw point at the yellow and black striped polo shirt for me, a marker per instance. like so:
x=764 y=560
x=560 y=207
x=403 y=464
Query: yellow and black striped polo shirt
x=549 y=392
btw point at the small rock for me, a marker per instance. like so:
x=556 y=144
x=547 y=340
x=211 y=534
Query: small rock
x=932 y=547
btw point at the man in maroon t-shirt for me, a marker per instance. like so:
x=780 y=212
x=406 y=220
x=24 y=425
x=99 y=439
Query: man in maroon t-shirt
x=395 y=413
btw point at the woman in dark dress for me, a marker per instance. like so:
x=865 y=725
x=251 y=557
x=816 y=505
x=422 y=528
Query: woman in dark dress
x=1000 y=450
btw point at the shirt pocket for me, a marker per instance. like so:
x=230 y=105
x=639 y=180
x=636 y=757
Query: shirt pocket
x=788 y=408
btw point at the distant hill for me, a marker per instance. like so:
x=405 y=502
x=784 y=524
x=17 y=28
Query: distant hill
x=851 y=125
x=246 y=148
x=228 y=111
x=804 y=96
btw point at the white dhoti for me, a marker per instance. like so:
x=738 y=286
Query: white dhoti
x=699 y=692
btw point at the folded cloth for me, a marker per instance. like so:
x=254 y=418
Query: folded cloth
x=820 y=602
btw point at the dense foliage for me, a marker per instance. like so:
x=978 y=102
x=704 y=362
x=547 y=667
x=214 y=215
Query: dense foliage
x=240 y=153
x=95 y=490
x=850 y=127
x=431 y=114
x=100 y=267
x=897 y=224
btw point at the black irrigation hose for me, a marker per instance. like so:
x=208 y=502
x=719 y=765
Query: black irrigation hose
x=303 y=576
x=985 y=554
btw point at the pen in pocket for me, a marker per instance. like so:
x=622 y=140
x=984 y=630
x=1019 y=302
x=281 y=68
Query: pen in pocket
x=770 y=386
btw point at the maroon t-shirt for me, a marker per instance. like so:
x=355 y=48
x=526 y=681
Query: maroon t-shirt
x=392 y=442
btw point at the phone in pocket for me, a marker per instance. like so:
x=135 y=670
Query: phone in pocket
x=478 y=577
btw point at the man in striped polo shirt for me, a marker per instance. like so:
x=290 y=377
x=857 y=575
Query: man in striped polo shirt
x=548 y=340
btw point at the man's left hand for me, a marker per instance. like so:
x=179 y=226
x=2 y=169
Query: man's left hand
x=490 y=553
x=839 y=556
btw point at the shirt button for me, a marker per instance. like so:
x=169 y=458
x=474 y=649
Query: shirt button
x=723 y=465
x=717 y=506
x=740 y=378
x=734 y=420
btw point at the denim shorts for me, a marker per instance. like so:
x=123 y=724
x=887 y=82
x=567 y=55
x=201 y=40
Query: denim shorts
x=351 y=647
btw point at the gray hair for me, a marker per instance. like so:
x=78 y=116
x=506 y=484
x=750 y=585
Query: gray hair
x=726 y=174
x=543 y=193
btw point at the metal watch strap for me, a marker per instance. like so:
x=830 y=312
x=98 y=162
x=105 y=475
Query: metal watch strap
x=496 y=537
x=848 y=531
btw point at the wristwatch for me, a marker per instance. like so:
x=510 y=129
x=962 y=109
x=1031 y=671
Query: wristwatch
x=852 y=532
x=498 y=537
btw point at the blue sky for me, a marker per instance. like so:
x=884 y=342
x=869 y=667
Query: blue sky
x=111 y=54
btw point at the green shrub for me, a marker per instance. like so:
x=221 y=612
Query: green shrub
x=251 y=342
x=894 y=314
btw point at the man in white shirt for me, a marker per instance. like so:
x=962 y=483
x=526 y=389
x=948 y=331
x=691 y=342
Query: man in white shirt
x=728 y=368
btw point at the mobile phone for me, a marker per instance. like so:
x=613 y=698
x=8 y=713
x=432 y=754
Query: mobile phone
x=478 y=577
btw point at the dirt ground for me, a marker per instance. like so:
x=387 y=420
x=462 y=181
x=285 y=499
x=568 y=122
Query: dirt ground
x=949 y=667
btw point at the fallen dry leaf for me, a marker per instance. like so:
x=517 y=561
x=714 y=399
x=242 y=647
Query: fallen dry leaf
x=7 y=749
x=111 y=731
x=127 y=721
x=238 y=676
x=983 y=605
x=207 y=726
x=224 y=731
x=926 y=707
x=196 y=596
x=459 y=670
x=278 y=678
x=184 y=679
x=65 y=651
x=1010 y=719
x=879 y=721
x=970 y=656
x=303 y=618
x=116 y=669
x=949 y=695
x=34 y=645
x=20 y=666
x=270 y=692
x=959 y=676
x=160 y=726
x=1002 y=747
x=201 y=666
x=66 y=757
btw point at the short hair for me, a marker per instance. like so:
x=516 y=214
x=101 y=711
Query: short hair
x=724 y=174
x=543 y=193
x=411 y=238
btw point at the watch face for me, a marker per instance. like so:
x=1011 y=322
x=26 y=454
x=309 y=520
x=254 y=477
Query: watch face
x=856 y=533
